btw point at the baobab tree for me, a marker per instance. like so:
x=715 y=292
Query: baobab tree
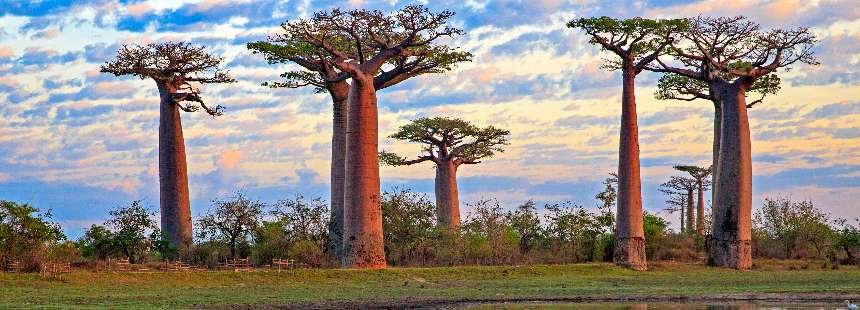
x=177 y=68
x=317 y=70
x=673 y=86
x=448 y=143
x=730 y=54
x=685 y=187
x=675 y=202
x=637 y=42
x=700 y=176
x=376 y=42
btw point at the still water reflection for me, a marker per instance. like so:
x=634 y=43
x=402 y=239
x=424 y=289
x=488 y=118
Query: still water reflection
x=659 y=305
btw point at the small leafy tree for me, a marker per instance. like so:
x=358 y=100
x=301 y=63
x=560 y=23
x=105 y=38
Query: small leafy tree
x=97 y=242
x=407 y=221
x=655 y=231
x=608 y=197
x=847 y=239
x=448 y=143
x=489 y=236
x=526 y=222
x=575 y=231
x=795 y=226
x=23 y=229
x=231 y=221
x=132 y=226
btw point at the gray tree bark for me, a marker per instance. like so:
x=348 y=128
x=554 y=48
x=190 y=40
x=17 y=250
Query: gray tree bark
x=630 y=235
x=363 y=245
x=729 y=244
x=700 y=215
x=339 y=92
x=691 y=224
x=173 y=172
x=715 y=159
x=447 y=197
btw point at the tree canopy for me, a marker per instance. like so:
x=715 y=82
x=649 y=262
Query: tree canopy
x=673 y=86
x=697 y=173
x=391 y=47
x=637 y=41
x=736 y=49
x=448 y=139
x=176 y=64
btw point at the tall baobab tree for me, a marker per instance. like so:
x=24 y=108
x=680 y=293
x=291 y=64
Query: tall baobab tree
x=448 y=143
x=673 y=86
x=379 y=41
x=636 y=42
x=175 y=67
x=684 y=187
x=317 y=70
x=700 y=175
x=730 y=54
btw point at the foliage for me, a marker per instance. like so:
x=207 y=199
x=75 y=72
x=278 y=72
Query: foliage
x=489 y=238
x=734 y=49
x=353 y=34
x=795 y=226
x=408 y=221
x=173 y=64
x=97 y=243
x=24 y=230
x=132 y=226
x=637 y=41
x=673 y=86
x=655 y=230
x=847 y=239
x=22 y=227
x=576 y=232
x=526 y=223
x=231 y=221
x=298 y=229
x=388 y=47
x=448 y=140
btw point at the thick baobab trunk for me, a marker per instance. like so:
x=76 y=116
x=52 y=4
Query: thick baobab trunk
x=729 y=244
x=715 y=159
x=630 y=235
x=173 y=172
x=691 y=224
x=700 y=209
x=363 y=245
x=339 y=92
x=447 y=199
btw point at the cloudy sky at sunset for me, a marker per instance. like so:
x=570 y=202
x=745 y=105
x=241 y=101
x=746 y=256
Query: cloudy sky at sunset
x=81 y=143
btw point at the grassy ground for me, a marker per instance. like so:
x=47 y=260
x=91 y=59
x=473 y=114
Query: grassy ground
x=327 y=287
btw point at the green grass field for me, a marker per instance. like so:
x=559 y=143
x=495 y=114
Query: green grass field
x=331 y=286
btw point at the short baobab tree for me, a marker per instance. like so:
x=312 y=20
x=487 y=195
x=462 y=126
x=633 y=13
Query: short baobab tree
x=448 y=143
x=317 y=70
x=636 y=42
x=373 y=42
x=730 y=54
x=700 y=176
x=682 y=187
x=176 y=68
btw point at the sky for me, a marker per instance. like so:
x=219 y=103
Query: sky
x=81 y=143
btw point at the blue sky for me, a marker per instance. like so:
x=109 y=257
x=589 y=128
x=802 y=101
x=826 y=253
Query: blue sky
x=80 y=142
